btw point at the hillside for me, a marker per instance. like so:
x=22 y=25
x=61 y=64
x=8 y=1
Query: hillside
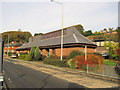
x=17 y=36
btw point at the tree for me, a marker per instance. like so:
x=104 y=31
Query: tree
x=112 y=49
x=32 y=53
x=110 y=30
x=17 y=36
x=88 y=33
x=38 y=34
x=38 y=55
x=80 y=29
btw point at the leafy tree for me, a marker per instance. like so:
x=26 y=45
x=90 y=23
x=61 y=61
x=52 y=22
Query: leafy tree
x=80 y=28
x=110 y=30
x=38 y=34
x=38 y=55
x=112 y=49
x=32 y=53
x=17 y=36
x=88 y=33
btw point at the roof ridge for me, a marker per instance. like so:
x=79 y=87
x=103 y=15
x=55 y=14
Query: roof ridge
x=75 y=38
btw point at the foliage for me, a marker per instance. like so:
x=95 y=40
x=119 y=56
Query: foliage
x=27 y=57
x=17 y=36
x=23 y=53
x=91 y=60
x=38 y=34
x=72 y=64
x=109 y=63
x=32 y=53
x=80 y=29
x=21 y=57
x=112 y=51
x=43 y=57
x=74 y=53
x=9 y=53
x=55 y=61
x=38 y=55
x=88 y=33
x=24 y=57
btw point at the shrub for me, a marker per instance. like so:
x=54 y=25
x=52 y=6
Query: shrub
x=24 y=57
x=38 y=55
x=55 y=62
x=74 y=53
x=21 y=57
x=9 y=53
x=27 y=57
x=91 y=60
x=72 y=64
x=32 y=53
x=43 y=57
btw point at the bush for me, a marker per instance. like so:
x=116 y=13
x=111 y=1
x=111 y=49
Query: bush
x=32 y=53
x=24 y=57
x=91 y=60
x=74 y=53
x=21 y=57
x=56 y=62
x=72 y=64
x=27 y=57
x=9 y=53
x=38 y=55
x=43 y=57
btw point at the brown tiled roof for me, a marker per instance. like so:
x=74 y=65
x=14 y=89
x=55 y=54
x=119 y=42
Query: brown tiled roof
x=73 y=36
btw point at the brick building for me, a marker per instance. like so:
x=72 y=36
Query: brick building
x=11 y=47
x=50 y=43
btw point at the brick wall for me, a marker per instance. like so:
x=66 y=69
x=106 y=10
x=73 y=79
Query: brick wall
x=66 y=51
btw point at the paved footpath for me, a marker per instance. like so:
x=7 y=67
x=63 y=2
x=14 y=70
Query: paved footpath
x=60 y=72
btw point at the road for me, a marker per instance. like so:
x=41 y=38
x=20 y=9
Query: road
x=18 y=76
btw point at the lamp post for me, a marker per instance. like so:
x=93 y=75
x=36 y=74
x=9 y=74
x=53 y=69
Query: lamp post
x=62 y=28
x=8 y=46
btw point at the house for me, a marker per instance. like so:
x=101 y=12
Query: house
x=50 y=43
x=11 y=47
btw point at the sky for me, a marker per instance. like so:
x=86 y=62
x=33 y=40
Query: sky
x=42 y=16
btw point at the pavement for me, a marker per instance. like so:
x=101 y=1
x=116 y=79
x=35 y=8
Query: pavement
x=59 y=73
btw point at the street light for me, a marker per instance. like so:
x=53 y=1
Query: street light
x=62 y=28
x=8 y=46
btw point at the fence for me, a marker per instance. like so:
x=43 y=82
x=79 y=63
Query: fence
x=103 y=70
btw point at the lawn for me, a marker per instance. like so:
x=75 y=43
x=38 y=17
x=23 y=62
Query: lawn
x=110 y=63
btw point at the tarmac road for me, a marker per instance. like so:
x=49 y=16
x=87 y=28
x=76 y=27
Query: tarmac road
x=18 y=76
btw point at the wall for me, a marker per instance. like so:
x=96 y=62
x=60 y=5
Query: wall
x=66 y=51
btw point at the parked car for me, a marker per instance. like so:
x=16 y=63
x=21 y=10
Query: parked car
x=105 y=55
x=13 y=56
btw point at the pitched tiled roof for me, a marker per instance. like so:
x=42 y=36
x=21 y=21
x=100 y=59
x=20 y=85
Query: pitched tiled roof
x=73 y=36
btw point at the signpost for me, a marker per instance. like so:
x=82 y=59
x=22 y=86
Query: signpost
x=1 y=62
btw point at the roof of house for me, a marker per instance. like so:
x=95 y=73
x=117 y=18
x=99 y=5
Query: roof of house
x=73 y=36
x=13 y=44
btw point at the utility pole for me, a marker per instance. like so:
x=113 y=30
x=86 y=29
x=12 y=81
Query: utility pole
x=62 y=28
x=86 y=56
x=8 y=46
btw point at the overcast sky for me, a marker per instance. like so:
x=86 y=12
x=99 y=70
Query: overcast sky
x=42 y=16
